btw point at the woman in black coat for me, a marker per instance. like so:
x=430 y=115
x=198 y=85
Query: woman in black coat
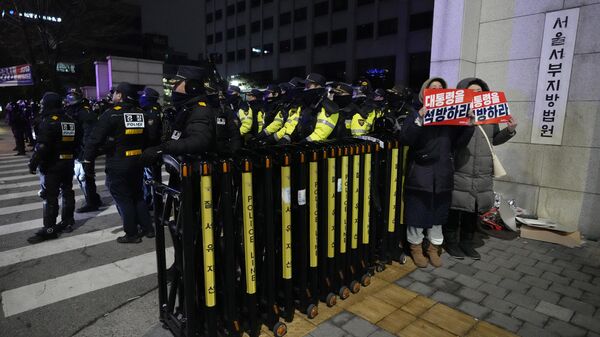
x=429 y=178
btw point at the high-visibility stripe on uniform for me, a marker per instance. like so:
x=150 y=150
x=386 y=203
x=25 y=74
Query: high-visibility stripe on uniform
x=131 y=153
x=324 y=127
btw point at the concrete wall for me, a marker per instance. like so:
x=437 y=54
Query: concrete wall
x=500 y=42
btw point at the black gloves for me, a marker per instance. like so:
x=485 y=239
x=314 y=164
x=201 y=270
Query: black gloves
x=151 y=155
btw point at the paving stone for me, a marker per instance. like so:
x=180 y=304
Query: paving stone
x=590 y=270
x=564 y=329
x=465 y=261
x=520 y=252
x=561 y=254
x=554 y=310
x=522 y=300
x=421 y=276
x=500 y=253
x=586 y=286
x=499 y=305
x=464 y=269
x=549 y=267
x=508 y=273
x=586 y=321
x=446 y=298
x=506 y=263
x=442 y=284
x=515 y=285
x=568 y=264
x=359 y=327
x=485 y=266
x=468 y=281
x=488 y=277
x=471 y=294
x=326 y=329
x=592 y=299
x=592 y=334
x=341 y=318
x=530 y=316
x=577 y=275
x=596 y=281
x=445 y=273
x=421 y=288
x=474 y=309
x=530 y=330
x=566 y=290
x=541 y=257
x=550 y=276
x=542 y=294
x=405 y=282
x=536 y=281
x=506 y=322
x=529 y=270
x=381 y=333
x=493 y=290
x=577 y=306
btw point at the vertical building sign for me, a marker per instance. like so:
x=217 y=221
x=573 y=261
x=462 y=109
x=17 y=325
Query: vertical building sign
x=560 y=31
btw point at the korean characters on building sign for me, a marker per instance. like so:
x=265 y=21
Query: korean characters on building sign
x=558 y=45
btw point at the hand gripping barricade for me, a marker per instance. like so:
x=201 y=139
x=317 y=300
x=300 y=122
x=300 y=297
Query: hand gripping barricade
x=274 y=230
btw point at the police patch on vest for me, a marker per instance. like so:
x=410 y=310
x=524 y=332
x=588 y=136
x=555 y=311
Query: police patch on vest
x=68 y=129
x=221 y=121
x=176 y=135
x=134 y=120
x=361 y=122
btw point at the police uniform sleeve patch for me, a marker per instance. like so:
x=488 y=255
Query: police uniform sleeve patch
x=68 y=129
x=54 y=117
x=176 y=135
x=221 y=121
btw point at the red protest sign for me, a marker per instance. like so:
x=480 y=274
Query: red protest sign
x=447 y=106
x=490 y=107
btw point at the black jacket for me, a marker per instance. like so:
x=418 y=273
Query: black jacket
x=86 y=120
x=430 y=166
x=56 y=139
x=193 y=130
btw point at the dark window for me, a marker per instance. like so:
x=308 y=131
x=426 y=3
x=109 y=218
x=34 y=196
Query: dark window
x=339 y=36
x=241 y=31
x=321 y=8
x=339 y=5
x=285 y=18
x=209 y=39
x=217 y=58
x=267 y=23
x=256 y=52
x=387 y=27
x=219 y=14
x=268 y=49
x=230 y=33
x=364 y=2
x=300 y=43
x=254 y=3
x=209 y=17
x=300 y=14
x=421 y=21
x=230 y=10
x=320 y=39
x=230 y=56
x=241 y=6
x=241 y=54
x=255 y=27
x=364 y=31
x=285 y=46
x=219 y=37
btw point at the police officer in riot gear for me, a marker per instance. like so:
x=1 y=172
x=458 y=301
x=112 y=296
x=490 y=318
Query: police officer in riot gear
x=53 y=157
x=275 y=114
x=312 y=101
x=123 y=132
x=85 y=119
x=329 y=122
x=194 y=125
x=149 y=103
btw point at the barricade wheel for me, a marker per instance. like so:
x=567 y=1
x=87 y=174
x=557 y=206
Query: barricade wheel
x=354 y=287
x=365 y=280
x=312 y=311
x=403 y=258
x=331 y=300
x=279 y=329
x=379 y=267
x=344 y=292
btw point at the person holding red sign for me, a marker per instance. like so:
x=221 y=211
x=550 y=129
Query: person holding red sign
x=428 y=183
x=473 y=182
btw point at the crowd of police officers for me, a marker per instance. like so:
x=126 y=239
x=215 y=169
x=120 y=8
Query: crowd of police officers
x=133 y=131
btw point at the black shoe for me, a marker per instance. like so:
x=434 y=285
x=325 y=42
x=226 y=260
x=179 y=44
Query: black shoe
x=20 y=154
x=469 y=250
x=65 y=227
x=87 y=208
x=37 y=238
x=129 y=239
x=149 y=233
x=453 y=249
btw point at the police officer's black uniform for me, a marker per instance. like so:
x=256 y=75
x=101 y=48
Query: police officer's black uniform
x=121 y=130
x=153 y=111
x=53 y=156
x=85 y=119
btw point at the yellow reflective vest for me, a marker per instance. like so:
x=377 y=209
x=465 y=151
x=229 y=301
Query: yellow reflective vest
x=324 y=126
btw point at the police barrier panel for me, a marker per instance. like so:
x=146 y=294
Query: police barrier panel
x=273 y=230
